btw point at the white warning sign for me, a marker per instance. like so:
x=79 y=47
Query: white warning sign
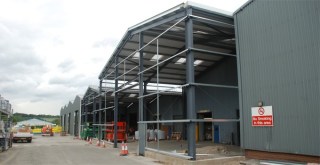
x=262 y=116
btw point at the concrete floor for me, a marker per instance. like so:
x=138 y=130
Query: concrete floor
x=205 y=149
x=65 y=150
x=207 y=152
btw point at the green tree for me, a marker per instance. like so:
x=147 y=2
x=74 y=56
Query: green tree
x=56 y=121
x=17 y=118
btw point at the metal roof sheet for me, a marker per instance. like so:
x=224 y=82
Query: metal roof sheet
x=217 y=36
x=34 y=122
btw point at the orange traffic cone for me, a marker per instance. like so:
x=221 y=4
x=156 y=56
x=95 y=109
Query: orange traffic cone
x=103 y=144
x=124 y=149
x=98 y=143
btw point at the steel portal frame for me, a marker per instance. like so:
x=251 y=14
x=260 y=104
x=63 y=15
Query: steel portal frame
x=186 y=17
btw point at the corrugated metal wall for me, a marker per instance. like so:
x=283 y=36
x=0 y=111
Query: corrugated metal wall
x=70 y=109
x=222 y=102
x=278 y=59
x=171 y=107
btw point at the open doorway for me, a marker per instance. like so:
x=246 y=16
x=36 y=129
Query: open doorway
x=204 y=129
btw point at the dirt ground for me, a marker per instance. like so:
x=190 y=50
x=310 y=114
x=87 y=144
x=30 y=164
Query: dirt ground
x=204 y=150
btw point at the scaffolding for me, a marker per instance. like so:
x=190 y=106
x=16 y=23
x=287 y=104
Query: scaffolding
x=5 y=124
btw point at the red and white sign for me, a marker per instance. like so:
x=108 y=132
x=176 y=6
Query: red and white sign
x=262 y=116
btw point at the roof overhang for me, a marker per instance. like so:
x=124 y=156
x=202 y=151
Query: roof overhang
x=213 y=31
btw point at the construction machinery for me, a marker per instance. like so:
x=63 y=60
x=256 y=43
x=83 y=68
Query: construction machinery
x=47 y=130
x=87 y=132
x=121 y=131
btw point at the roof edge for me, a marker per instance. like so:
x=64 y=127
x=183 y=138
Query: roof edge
x=242 y=7
x=208 y=8
x=111 y=58
x=175 y=8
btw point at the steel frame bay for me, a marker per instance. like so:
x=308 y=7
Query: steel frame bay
x=188 y=87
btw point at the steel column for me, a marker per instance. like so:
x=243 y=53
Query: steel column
x=145 y=113
x=105 y=106
x=105 y=115
x=100 y=106
x=242 y=135
x=99 y=128
x=142 y=141
x=190 y=90
x=115 y=114
x=94 y=117
x=64 y=120
x=79 y=118
x=85 y=112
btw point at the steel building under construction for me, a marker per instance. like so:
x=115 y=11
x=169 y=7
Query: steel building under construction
x=247 y=79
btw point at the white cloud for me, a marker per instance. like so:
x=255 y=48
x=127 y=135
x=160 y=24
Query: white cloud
x=51 y=50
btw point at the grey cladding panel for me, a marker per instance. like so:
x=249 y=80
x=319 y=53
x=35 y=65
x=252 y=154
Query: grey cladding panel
x=279 y=64
x=71 y=108
x=222 y=102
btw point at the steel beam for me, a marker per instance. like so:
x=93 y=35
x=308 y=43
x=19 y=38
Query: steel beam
x=94 y=118
x=105 y=106
x=163 y=21
x=192 y=120
x=211 y=21
x=214 y=85
x=155 y=45
x=181 y=49
x=160 y=63
x=203 y=41
x=145 y=84
x=165 y=64
x=190 y=90
x=130 y=81
x=155 y=93
x=213 y=52
x=119 y=47
x=126 y=72
x=242 y=135
x=99 y=128
x=116 y=108
x=167 y=67
x=142 y=141
x=85 y=113
x=126 y=88
x=100 y=106
x=218 y=30
x=158 y=36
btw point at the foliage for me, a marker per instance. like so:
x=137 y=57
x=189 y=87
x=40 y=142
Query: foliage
x=56 y=121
